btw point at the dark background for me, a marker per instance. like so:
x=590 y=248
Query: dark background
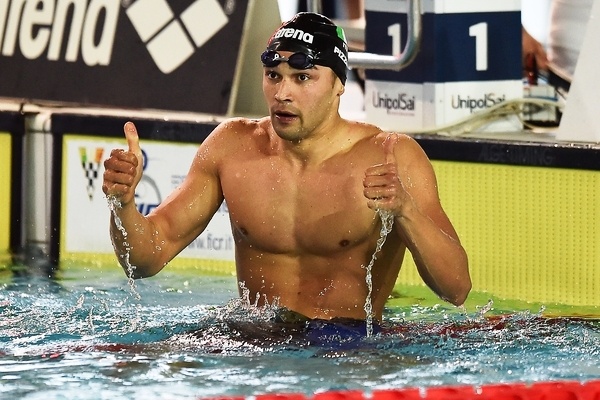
x=132 y=80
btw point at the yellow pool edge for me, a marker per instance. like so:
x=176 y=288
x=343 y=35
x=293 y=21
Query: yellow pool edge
x=404 y=294
x=531 y=233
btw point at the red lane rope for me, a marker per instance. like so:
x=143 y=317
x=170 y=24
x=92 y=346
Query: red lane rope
x=559 y=390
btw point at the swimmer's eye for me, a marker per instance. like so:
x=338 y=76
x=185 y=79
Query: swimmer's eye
x=271 y=74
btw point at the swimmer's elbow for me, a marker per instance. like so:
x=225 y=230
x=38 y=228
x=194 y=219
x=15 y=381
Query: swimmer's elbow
x=460 y=295
x=463 y=285
x=139 y=274
x=134 y=271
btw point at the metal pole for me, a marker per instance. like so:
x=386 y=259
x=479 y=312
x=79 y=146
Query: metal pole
x=37 y=195
x=381 y=61
x=314 y=6
x=394 y=62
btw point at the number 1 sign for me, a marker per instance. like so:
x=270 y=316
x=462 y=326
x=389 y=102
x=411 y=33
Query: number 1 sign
x=469 y=60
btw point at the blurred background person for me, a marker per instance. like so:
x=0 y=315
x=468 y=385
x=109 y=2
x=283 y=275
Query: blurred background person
x=553 y=32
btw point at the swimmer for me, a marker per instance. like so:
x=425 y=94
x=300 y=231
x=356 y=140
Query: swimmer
x=302 y=186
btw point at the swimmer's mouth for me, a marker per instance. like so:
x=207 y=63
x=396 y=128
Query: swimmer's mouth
x=284 y=114
x=285 y=117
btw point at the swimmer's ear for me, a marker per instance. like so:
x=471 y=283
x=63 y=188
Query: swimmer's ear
x=338 y=85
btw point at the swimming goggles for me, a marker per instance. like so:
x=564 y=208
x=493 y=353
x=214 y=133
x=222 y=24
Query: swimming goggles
x=299 y=60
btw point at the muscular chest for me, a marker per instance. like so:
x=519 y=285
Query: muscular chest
x=285 y=210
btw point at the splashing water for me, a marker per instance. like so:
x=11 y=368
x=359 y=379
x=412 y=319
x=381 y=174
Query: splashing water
x=53 y=343
x=387 y=221
x=113 y=205
x=247 y=310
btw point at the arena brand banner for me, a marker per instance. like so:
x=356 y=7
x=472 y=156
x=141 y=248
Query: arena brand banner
x=163 y=54
x=85 y=210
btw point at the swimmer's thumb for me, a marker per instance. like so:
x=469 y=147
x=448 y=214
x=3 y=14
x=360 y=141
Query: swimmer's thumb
x=133 y=144
x=133 y=140
x=389 y=145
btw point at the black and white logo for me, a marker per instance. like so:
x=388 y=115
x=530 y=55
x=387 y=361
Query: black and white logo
x=158 y=54
x=171 y=41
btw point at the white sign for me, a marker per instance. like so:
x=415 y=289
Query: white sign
x=85 y=212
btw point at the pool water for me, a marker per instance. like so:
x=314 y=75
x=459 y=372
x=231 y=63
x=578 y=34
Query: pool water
x=88 y=335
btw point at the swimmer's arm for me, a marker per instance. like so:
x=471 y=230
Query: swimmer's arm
x=180 y=218
x=154 y=240
x=410 y=193
x=427 y=231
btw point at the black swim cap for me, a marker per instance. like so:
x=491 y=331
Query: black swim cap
x=314 y=33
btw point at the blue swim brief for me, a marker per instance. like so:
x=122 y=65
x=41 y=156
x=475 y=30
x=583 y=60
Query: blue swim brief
x=336 y=332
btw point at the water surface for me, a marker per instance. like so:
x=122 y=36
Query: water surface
x=86 y=336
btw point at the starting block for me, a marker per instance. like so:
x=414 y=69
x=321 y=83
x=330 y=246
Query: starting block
x=469 y=60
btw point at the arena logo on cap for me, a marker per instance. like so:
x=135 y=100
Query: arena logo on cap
x=295 y=34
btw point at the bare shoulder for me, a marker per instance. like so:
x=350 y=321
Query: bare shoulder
x=363 y=129
x=400 y=140
x=405 y=148
x=365 y=136
x=232 y=134
x=378 y=136
x=240 y=127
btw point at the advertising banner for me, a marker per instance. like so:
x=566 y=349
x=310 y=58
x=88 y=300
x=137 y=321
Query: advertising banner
x=170 y=55
x=5 y=183
x=469 y=60
x=85 y=210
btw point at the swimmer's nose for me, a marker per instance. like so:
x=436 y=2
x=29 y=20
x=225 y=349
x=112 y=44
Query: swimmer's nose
x=283 y=92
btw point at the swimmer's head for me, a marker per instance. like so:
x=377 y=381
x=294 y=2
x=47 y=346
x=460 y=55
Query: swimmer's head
x=314 y=39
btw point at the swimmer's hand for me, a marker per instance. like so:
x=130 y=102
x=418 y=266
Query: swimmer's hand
x=123 y=169
x=383 y=186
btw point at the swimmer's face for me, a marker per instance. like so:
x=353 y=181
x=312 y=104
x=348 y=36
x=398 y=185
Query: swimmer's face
x=300 y=100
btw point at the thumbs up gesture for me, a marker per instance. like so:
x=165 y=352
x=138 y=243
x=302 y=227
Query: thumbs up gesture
x=123 y=169
x=383 y=187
